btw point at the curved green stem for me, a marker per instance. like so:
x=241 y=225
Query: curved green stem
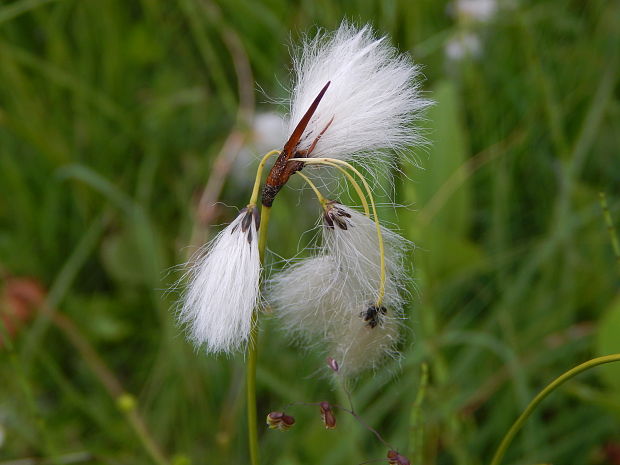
x=518 y=424
x=317 y=192
x=251 y=391
x=259 y=175
x=334 y=161
x=253 y=352
x=354 y=183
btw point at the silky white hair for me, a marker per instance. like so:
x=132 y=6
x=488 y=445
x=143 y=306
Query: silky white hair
x=223 y=288
x=322 y=300
x=374 y=95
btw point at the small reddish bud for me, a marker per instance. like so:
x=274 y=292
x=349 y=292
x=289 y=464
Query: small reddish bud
x=280 y=420
x=394 y=458
x=327 y=415
x=333 y=364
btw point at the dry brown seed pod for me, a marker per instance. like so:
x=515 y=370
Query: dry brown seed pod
x=327 y=415
x=394 y=458
x=280 y=420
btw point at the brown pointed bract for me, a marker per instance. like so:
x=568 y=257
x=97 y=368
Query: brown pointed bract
x=281 y=170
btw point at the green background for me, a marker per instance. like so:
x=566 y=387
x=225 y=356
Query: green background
x=115 y=114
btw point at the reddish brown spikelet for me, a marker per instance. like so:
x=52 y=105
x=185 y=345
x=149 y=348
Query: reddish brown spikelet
x=280 y=420
x=394 y=458
x=281 y=170
x=327 y=415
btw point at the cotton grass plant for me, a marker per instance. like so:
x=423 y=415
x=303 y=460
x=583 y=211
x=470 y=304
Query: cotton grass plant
x=354 y=101
x=355 y=98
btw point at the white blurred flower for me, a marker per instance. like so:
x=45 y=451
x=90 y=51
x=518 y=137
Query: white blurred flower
x=476 y=10
x=372 y=100
x=463 y=45
x=267 y=133
x=329 y=300
x=224 y=287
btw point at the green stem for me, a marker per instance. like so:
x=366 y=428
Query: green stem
x=354 y=183
x=262 y=232
x=317 y=192
x=259 y=176
x=416 y=417
x=251 y=392
x=253 y=352
x=615 y=244
x=517 y=425
x=333 y=161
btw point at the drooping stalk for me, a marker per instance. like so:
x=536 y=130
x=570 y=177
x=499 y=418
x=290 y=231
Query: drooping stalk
x=317 y=192
x=253 y=344
x=353 y=182
x=334 y=161
x=355 y=185
x=518 y=424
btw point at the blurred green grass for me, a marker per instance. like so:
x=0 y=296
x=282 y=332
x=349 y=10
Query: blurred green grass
x=112 y=116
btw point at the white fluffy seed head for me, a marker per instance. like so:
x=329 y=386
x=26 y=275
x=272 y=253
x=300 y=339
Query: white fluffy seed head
x=358 y=347
x=325 y=300
x=223 y=288
x=306 y=297
x=357 y=255
x=373 y=98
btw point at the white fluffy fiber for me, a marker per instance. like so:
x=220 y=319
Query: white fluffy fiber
x=223 y=290
x=321 y=299
x=356 y=253
x=374 y=95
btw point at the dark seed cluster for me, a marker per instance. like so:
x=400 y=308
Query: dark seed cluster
x=373 y=315
x=251 y=214
x=336 y=216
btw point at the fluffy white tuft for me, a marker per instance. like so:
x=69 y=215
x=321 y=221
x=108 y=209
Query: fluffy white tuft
x=374 y=95
x=223 y=288
x=324 y=300
x=357 y=347
x=358 y=261
x=306 y=296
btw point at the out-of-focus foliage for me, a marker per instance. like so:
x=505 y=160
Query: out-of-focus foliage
x=112 y=116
